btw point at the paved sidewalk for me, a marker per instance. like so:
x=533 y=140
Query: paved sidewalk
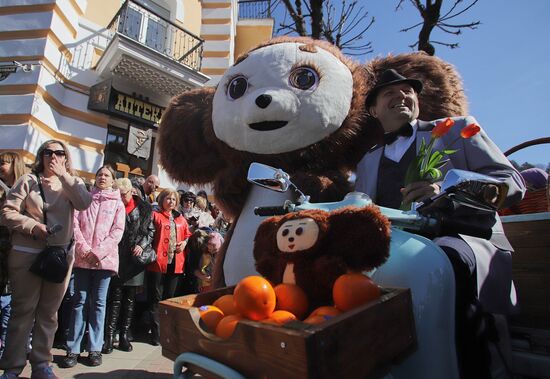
x=145 y=361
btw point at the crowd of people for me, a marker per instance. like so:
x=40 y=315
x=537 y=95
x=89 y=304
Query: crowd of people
x=127 y=250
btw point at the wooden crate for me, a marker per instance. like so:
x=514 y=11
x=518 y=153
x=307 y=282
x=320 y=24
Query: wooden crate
x=351 y=345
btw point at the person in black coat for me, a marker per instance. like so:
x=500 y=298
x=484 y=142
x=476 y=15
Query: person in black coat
x=136 y=241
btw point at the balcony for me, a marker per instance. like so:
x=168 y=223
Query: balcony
x=148 y=49
x=254 y=9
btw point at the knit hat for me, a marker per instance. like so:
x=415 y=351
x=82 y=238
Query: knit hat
x=216 y=239
x=535 y=177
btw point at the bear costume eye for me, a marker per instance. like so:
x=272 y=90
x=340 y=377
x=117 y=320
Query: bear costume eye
x=285 y=232
x=299 y=231
x=237 y=87
x=303 y=78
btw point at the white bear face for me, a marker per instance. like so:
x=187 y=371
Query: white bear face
x=280 y=99
x=297 y=235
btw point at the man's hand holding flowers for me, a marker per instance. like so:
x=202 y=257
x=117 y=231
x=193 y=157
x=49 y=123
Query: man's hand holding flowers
x=425 y=170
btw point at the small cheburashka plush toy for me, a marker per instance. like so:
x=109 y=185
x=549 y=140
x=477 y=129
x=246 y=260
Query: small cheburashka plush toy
x=313 y=248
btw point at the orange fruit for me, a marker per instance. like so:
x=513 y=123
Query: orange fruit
x=325 y=310
x=254 y=298
x=291 y=298
x=226 y=304
x=280 y=317
x=227 y=325
x=210 y=316
x=352 y=290
x=317 y=319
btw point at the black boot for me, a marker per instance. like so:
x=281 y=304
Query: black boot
x=155 y=325
x=128 y=301
x=113 y=308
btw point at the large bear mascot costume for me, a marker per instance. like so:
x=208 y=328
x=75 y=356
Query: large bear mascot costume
x=293 y=103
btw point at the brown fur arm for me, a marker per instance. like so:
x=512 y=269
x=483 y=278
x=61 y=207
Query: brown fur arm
x=266 y=253
x=332 y=186
x=189 y=150
x=231 y=189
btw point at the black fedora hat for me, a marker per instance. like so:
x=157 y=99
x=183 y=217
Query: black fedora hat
x=388 y=78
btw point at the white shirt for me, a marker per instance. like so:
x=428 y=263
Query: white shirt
x=399 y=147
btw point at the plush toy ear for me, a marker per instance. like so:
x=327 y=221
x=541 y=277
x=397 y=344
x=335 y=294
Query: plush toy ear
x=442 y=93
x=188 y=148
x=361 y=236
x=266 y=252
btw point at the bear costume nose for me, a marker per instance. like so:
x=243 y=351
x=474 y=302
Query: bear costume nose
x=291 y=239
x=263 y=101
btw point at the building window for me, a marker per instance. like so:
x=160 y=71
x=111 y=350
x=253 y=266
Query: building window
x=125 y=164
x=149 y=28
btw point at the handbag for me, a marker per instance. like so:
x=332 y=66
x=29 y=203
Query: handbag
x=51 y=264
x=146 y=257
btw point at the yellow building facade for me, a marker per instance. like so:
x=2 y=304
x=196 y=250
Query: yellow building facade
x=97 y=74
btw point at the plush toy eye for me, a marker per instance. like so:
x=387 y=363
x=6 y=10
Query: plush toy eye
x=299 y=231
x=285 y=233
x=303 y=78
x=237 y=87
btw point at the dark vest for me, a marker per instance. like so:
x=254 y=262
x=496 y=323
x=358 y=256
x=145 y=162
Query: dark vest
x=391 y=176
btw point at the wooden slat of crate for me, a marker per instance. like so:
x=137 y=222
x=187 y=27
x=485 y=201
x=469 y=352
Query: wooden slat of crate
x=531 y=271
x=364 y=340
x=350 y=345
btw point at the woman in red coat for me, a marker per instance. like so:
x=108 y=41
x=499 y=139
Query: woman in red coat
x=171 y=234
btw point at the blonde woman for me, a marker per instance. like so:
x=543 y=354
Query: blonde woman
x=171 y=234
x=12 y=168
x=34 y=300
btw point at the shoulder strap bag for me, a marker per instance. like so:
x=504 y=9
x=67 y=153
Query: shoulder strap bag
x=51 y=264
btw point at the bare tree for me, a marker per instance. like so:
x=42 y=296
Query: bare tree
x=344 y=24
x=430 y=11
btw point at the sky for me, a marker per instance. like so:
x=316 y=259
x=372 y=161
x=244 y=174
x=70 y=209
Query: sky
x=504 y=64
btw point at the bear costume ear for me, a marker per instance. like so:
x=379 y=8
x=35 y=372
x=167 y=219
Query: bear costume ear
x=266 y=253
x=442 y=93
x=188 y=148
x=361 y=236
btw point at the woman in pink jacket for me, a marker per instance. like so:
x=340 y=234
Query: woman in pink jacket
x=97 y=231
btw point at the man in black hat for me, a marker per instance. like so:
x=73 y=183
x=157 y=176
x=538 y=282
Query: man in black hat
x=482 y=267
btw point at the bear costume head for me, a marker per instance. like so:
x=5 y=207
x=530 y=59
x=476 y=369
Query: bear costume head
x=291 y=103
x=313 y=248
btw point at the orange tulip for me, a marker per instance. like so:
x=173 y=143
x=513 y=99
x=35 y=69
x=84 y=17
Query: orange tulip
x=442 y=128
x=470 y=131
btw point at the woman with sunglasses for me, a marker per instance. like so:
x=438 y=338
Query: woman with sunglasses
x=98 y=230
x=34 y=300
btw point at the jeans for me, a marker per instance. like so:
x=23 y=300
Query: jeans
x=95 y=285
x=64 y=313
x=5 y=311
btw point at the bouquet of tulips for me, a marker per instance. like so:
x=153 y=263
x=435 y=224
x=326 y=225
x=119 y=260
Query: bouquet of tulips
x=428 y=163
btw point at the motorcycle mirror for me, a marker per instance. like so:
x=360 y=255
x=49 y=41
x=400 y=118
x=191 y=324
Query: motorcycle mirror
x=474 y=190
x=268 y=177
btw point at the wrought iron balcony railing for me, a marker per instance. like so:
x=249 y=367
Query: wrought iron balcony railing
x=254 y=9
x=152 y=30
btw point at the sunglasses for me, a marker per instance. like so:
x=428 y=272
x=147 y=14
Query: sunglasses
x=49 y=153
